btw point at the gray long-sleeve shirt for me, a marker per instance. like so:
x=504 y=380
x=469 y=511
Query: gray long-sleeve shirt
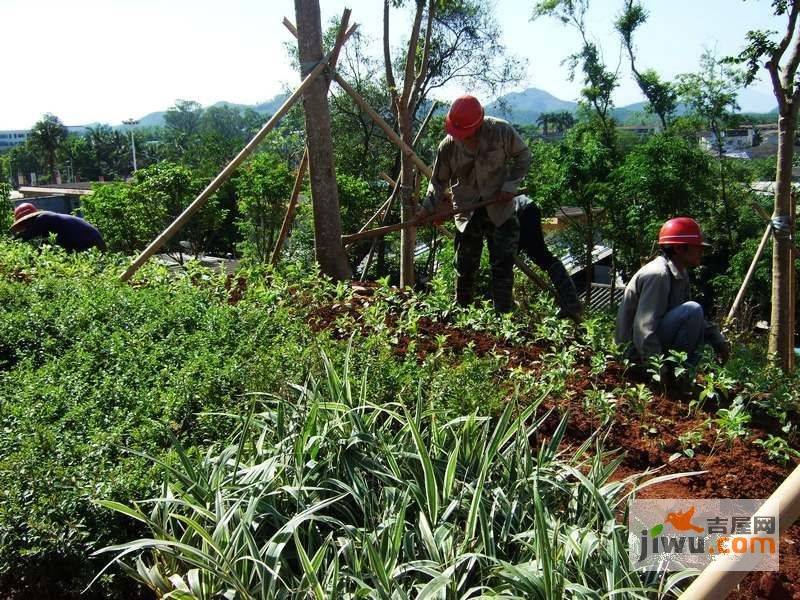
x=500 y=164
x=652 y=292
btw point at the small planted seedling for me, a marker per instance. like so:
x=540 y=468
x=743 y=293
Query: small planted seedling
x=777 y=449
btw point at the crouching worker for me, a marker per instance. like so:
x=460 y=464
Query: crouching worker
x=481 y=159
x=72 y=233
x=657 y=314
x=531 y=242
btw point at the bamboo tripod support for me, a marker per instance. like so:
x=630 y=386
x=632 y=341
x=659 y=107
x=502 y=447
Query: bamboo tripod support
x=225 y=174
x=751 y=270
x=420 y=164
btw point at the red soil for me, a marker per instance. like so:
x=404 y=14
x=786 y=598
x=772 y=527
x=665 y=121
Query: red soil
x=733 y=470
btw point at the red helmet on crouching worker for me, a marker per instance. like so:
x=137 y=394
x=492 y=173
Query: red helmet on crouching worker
x=23 y=213
x=681 y=230
x=464 y=117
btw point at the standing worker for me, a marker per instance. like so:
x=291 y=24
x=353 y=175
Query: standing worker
x=657 y=313
x=72 y=233
x=482 y=158
x=531 y=242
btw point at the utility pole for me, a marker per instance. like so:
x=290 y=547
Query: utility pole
x=130 y=123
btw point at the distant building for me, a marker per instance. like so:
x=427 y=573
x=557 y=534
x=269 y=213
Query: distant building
x=12 y=137
x=733 y=140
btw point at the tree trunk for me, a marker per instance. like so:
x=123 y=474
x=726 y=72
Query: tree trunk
x=328 y=248
x=781 y=336
x=408 y=236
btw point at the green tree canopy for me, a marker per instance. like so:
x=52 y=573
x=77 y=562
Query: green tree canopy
x=46 y=137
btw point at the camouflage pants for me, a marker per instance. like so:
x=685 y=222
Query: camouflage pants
x=503 y=242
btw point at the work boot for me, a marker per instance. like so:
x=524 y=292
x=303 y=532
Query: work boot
x=465 y=292
x=567 y=295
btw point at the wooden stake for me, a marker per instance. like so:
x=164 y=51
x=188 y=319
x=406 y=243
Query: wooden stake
x=750 y=271
x=382 y=231
x=387 y=129
x=212 y=187
x=291 y=210
x=395 y=185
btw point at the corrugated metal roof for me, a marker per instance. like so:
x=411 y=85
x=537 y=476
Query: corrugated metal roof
x=599 y=252
x=601 y=295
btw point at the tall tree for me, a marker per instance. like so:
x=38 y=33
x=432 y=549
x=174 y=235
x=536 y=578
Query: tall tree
x=330 y=253
x=599 y=81
x=711 y=94
x=661 y=95
x=403 y=102
x=47 y=136
x=450 y=40
x=764 y=50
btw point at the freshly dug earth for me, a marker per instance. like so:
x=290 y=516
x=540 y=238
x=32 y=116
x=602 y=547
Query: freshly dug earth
x=732 y=470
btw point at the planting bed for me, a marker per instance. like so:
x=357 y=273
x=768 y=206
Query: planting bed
x=736 y=469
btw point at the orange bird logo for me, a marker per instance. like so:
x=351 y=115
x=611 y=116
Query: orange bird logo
x=682 y=521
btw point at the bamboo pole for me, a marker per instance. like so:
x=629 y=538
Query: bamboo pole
x=715 y=583
x=387 y=129
x=291 y=210
x=750 y=271
x=223 y=176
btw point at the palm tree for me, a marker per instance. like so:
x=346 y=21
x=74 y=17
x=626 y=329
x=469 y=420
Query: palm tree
x=46 y=138
x=543 y=120
x=563 y=120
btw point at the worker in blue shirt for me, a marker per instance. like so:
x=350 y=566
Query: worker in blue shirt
x=72 y=233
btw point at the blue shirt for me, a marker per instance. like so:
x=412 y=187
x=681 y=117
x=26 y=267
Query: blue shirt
x=72 y=233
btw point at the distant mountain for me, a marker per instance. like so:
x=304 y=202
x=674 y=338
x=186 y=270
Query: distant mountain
x=523 y=108
x=156 y=119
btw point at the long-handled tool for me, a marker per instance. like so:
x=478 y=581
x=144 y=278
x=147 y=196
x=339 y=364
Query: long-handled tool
x=418 y=222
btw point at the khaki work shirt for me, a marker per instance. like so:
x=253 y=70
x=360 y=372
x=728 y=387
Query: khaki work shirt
x=499 y=164
x=652 y=292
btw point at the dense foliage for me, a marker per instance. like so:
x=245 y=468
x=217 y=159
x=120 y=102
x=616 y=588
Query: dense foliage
x=96 y=374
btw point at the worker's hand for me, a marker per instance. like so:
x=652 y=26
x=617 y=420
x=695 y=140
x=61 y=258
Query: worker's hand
x=425 y=218
x=504 y=197
x=724 y=353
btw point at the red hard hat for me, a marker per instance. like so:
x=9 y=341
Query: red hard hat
x=23 y=212
x=681 y=230
x=464 y=117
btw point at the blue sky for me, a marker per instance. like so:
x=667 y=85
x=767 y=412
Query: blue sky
x=108 y=60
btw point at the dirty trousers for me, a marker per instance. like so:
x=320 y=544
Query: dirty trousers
x=503 y=242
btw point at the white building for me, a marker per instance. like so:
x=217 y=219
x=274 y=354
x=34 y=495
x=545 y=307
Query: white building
x=733 y=140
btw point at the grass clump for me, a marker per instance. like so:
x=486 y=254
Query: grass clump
x=325 y=493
